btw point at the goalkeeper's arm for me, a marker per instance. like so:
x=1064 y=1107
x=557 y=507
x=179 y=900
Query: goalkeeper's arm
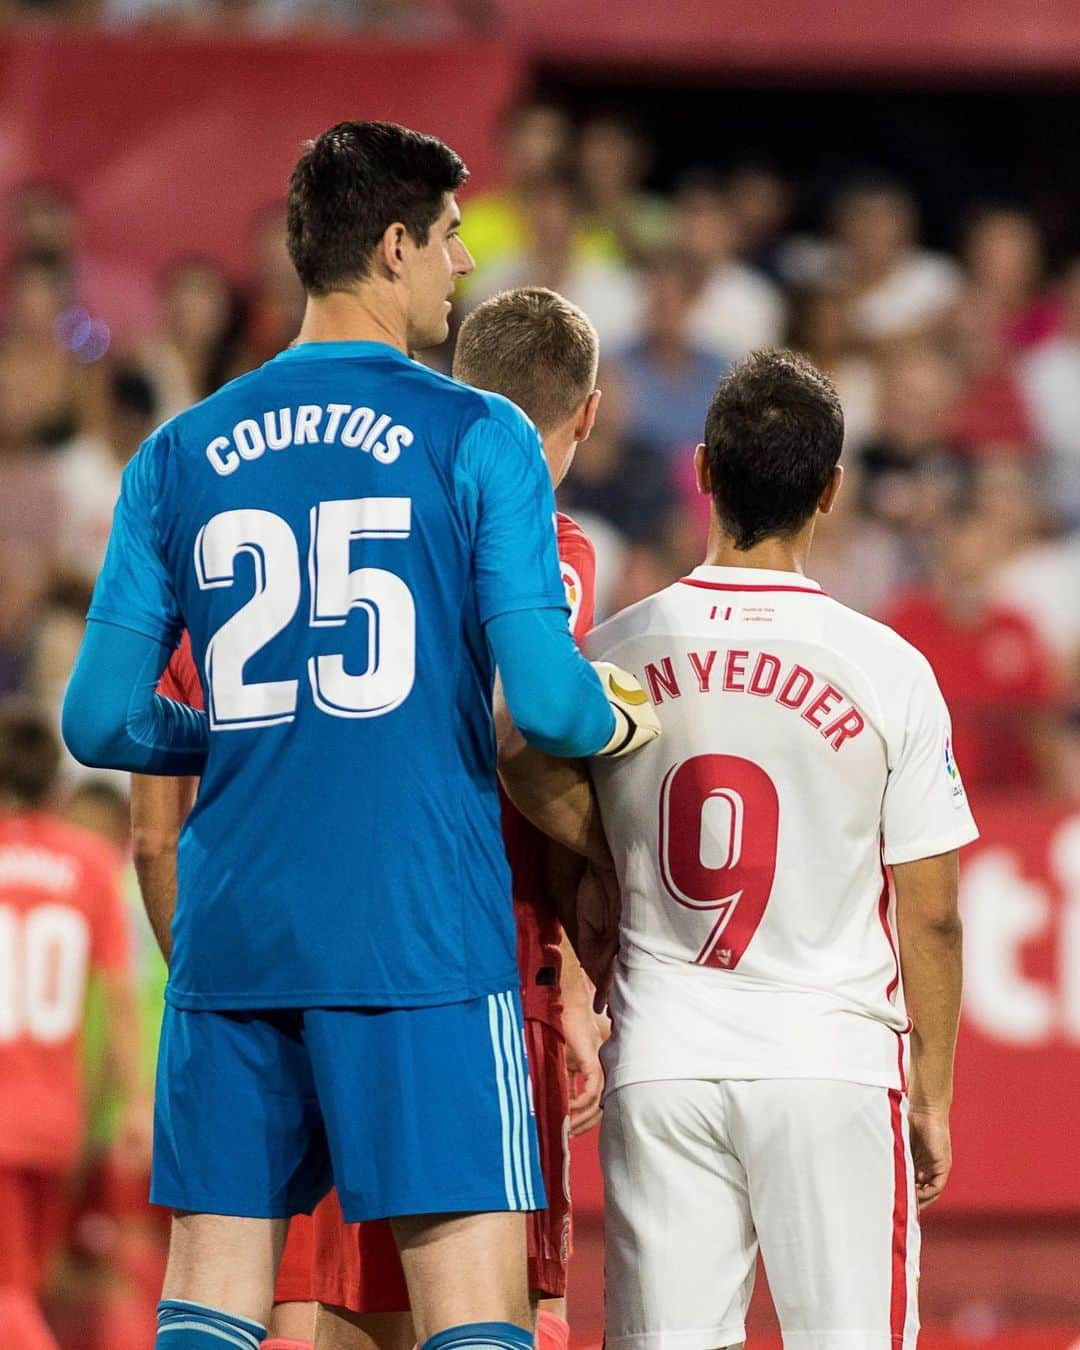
x=113 y=716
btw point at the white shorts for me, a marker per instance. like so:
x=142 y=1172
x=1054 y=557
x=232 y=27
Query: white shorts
x=817 y=1173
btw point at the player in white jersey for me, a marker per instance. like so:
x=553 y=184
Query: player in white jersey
x=757 y=1091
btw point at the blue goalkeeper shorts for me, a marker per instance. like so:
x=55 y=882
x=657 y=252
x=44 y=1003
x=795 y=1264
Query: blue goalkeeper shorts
x=406 y=1111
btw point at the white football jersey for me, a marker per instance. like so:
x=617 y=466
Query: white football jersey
x=804 y=746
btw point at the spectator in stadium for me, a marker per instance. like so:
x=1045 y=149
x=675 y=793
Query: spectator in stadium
x=614 y=156
x=1006 y=497
x=894 y=287
x=669 y=374
x=274 y=299
x=44 y=224
x=538 y=145
x=1003 y=258
x=191 y=354
x=25 y=571
x=29 y=525
x=1050 y=377
x=58 y=624
x=65 y=920
x=1070 y=753
x=910 y=475
x=858 y=561
x=995 y=672
x=617 y=477
x=990 y=414
x=604 y=288
x=42 y=350
x=645 y=566
x=760 y=201
x=737 y=308
x=41 y=221
x=88 y=468
x=822 y=329
x=1043 y=580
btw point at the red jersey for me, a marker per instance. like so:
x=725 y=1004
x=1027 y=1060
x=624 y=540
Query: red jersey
x=993 y=673
x=538 y=930
x=61 y=916
x=181 y=680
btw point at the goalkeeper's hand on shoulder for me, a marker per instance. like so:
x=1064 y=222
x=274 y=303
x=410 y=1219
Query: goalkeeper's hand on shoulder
x=636 y=723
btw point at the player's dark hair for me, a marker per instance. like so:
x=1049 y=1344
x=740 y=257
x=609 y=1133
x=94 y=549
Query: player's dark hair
x=351 y=184
x=29 y=753
x=773 y=437
x=534 y=348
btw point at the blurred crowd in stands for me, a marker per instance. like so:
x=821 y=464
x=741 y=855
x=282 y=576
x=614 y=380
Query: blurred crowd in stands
x=959 y=523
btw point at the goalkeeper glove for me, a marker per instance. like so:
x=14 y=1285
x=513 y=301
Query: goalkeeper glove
x=636 y=724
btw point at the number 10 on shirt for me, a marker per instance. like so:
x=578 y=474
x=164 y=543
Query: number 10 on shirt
x=336 y=590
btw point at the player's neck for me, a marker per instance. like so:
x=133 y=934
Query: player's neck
x=775 y=554
x=351 y=317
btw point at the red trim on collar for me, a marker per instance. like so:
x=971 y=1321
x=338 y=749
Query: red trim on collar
x=729 y=586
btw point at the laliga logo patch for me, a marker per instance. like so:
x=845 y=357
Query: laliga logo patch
x=573 y=587
x=953 y=771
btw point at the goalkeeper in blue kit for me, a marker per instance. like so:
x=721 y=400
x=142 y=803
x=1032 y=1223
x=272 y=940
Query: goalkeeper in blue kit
x=354 y=543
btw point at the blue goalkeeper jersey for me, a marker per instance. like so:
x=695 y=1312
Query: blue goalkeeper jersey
x=335 y=529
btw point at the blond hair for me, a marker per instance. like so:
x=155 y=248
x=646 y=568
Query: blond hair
x=535 y=348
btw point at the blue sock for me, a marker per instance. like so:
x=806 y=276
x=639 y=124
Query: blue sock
x=193 y=1326
x=481 y=1336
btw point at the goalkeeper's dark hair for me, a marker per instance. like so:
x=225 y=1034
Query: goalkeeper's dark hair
x=773 y=436
x=533 y=347
x=29 y=753
x=351 y=184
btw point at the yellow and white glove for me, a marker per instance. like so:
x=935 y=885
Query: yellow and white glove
x=636 y=723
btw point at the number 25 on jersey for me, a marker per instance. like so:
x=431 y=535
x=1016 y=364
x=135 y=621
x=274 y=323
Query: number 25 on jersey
x=336 y=590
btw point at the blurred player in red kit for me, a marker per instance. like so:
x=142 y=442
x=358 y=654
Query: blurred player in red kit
x=62 y=919
x=538 y=350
